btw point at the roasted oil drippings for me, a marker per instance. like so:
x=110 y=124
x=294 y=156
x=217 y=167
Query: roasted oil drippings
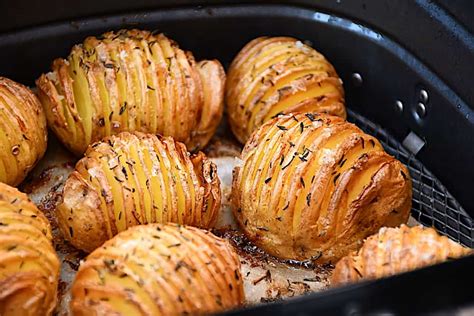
x=256 y=256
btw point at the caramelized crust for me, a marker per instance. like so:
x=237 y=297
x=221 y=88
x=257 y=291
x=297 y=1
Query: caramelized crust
x=159 y=270
x=396 y=250
x=312 y=186
x=273 y=75
x=29 y=266
x=23 y=132
x=134 y=178
x=132 y=80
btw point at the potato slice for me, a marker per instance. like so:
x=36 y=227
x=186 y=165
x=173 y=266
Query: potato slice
x=132 y=80
x=273 y=75
x=29 y=266
x=23 y=133
x=135 y=178
x=159 y=270
x=312 y=186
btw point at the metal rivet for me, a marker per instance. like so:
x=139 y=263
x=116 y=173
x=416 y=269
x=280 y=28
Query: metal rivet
x=423 y=96
x=399 y=106
x=420 y=109
x=356 y=79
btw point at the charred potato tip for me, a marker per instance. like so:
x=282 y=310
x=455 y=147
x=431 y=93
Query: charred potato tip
x=29 y=267
x=134 y=178
x=312 y=186
x=159 y=270
x=132 y=80
x=396 y=250
x=274 y=75
x=23 y=131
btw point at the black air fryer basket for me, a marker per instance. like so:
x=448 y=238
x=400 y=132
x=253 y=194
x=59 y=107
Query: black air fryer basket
x=407 y=69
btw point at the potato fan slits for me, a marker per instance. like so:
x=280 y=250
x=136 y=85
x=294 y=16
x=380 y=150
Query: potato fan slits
x=23 y=133
x=396 y=250
x=132 y=80
x=29 y=267
x=273 y=75
x=159 y=270
x=314 y=186
x=135 y=178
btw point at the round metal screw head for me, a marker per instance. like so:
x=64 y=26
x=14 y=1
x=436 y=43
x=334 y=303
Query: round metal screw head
x=399 y=106
x=420 y=109
x=356 y=79
x=423 y=96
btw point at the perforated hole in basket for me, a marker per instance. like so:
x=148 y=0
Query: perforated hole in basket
x=432 y=205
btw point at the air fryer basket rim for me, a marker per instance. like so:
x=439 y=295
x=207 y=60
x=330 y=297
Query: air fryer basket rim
x=446 y=129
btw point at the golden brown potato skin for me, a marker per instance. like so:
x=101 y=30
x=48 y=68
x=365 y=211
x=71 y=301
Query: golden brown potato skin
x=396 y=250
x=23 y=131
x=29 y=266
x=134 y=178
x=132 y=80
x=159 y=270
x=314 y=186
x=272 y=75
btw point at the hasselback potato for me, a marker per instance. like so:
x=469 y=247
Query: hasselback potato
x=23 y=131
x=159 y=270
x=29 y=267
x=312 y=186
x=132 y=80
x=272 y=75
x=135 y=178
x=396 y=250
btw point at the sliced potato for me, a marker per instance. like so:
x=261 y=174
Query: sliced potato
x=159 y=270
x=132 y=80
x=29 y=266
x=135 y=178
x=396 y=250
x=314 y=186
x=23 y=133
x=274 y=75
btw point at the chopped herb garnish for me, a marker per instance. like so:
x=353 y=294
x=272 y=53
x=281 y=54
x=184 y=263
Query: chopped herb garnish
x=278 y=114
x=123 y=108
x=403 y=174
x=342 y=163
x=310 y=117
x=289 y=162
